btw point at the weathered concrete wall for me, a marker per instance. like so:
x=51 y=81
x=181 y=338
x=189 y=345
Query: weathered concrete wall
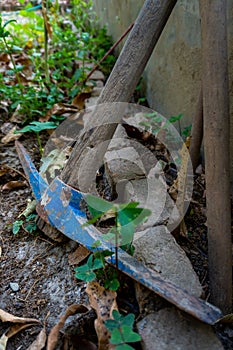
x=173 y=74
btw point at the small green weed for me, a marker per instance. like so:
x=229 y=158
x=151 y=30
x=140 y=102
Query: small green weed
x=155 y=123
x=30 y=224
x=121 y=330
x=126 y=218
x=75 y=44
x=37 y=127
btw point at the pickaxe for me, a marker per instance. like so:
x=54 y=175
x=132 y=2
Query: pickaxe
x=59 y=206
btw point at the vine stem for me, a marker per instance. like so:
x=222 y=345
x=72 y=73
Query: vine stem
x=14 y=66
x=39 y=143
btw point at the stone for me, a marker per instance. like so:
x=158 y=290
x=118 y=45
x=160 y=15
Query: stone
x=170 y=329
x=151 y=193
x=126 y=159
x=124 y=164
x=97 y=75
x=90 y=102
x=96 y=91
x=157 y=248
x=14 y=286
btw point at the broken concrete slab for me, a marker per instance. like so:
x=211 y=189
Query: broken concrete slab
x=151 y=193
x=124 y=164
x=157 y=248
x=171 y=329
x=92 y=101
x=96 y=91
x=126 y=159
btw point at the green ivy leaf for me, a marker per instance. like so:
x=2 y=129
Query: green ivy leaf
x=16 y=226
x=83 y=268
x=96 y=244
x=37 y=127
x=111 y=324
x=128 y=320
x=97 y=264
x=116 y=337
x=97 y=206
x=128 y=335
x=31 y=217
x=128 y=218
x=31 y=227
x=87 y=276
x=175 y=118
x=112 y=284
x=102 y=254
x=124 y=347
x=116 y=315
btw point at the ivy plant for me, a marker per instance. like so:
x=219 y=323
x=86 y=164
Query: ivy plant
x=37 y=127
x=126 y=218
x=121 y=330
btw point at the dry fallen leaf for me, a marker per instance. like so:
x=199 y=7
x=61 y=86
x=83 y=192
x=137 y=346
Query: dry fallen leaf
x=40 y=341
x=3 y=170
x=46 y=19
x=104 y=302
x=59 y=109
x=21 y=323
x=11 y=185
x=3 y=342
x=71 y=341
x=16 y=328
x=7 y=317
x=10 y=136
x=79 y=100
x=54 y=333
x=78 y=255
x=4 y=57
x=13 y=330
x=225 y=319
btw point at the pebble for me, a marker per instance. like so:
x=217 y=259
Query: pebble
x=14 y=286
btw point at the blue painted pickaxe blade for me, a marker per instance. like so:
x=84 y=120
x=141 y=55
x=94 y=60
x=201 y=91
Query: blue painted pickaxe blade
x=59 y=205
x=38 y=184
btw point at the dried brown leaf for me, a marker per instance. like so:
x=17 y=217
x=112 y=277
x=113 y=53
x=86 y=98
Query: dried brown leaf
x=79 y=100
x=3 y=342
x=4 y=57
x=80 y=254
x=11 y=185
x=16 y=328
x=7 y=317
x=54 y=333
x=104 y=302
x=71 y=341
x=46 y=19
x=11 y=136
x=17 y=116
x=225 y=319
x=59 y=109
x=40 y=341
x=3 y=170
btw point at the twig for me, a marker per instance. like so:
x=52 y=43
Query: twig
x=16 y=171
x=109 y=52
x=30 y=290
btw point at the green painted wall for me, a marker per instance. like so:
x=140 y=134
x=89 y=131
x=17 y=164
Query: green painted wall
x=172 y=76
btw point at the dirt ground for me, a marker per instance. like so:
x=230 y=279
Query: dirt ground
x=37 y=274
x=43 y=271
